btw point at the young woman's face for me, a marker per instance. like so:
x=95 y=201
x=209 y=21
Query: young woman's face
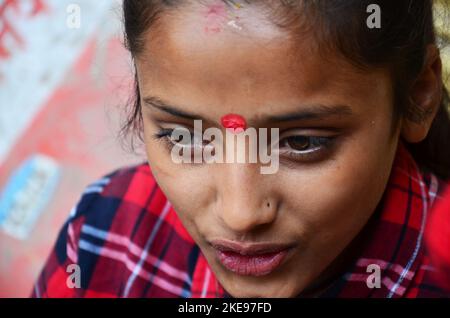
x=336 y=144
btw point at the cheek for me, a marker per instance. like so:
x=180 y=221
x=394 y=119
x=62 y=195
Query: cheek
x=177 y=185
x=337 y=199
x=183 y=186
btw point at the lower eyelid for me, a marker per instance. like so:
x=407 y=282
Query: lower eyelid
x=293 y=153
x=167 y=142
x=290 y=156
x=293 y=159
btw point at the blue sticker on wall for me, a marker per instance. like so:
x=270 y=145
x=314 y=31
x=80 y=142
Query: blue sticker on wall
x=26 y=194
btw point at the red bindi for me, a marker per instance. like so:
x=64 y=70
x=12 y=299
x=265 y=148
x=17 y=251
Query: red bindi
x=234 y=122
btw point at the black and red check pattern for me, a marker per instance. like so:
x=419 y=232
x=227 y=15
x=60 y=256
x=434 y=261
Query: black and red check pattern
x=129 y=242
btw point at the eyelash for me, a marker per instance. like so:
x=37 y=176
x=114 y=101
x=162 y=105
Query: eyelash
x=163 y=135
x=322 y=145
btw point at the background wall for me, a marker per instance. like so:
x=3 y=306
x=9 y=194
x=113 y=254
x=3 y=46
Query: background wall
x=63 y=87
x=64 y=81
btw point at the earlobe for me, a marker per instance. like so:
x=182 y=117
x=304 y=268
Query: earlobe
x=414 y=132
x=425 y=98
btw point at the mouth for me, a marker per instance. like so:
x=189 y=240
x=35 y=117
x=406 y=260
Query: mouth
x=250 y=259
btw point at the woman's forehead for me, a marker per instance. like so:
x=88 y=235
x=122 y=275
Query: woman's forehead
x=229 y=65
x=216 y=17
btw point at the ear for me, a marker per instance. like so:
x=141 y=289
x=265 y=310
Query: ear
x=425 y=96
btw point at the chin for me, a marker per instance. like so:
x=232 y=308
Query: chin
x=258 y=293
x=263 y=288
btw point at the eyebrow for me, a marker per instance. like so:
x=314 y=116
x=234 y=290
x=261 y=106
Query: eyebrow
x=314 y=112
x=167 y=108
x=310 y=112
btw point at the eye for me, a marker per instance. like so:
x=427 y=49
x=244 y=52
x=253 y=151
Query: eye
x=180 y=136
x=297 y=143
x=305 y=148
x=304 y=143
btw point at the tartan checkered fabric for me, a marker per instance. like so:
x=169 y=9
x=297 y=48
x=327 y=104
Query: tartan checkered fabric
x=128 y=242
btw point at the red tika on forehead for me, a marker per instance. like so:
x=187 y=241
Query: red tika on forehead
x=234 y=122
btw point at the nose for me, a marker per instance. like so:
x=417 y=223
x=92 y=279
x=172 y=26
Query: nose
x=246 y=200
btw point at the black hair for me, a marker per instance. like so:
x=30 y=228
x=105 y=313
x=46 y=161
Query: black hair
x=399 y=45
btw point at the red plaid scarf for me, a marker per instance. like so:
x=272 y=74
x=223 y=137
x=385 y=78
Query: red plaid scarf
x=129 y=242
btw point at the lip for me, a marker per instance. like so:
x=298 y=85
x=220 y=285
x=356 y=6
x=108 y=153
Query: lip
x=250 y=259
